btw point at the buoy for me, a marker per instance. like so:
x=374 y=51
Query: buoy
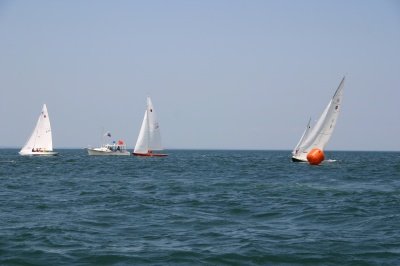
x=315 y=156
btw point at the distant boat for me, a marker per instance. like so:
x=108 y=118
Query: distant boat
x=149 y=139
x=115 y=149
x=40 y=141
x=316 y=138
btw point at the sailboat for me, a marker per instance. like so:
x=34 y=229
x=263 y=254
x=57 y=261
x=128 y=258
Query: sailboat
x=149 y=139
x=40 y=141
x=317 y=137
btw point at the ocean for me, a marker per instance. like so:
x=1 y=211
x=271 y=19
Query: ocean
x=199 y=207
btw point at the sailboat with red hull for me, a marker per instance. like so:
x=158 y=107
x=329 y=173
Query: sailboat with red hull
x=149 y=139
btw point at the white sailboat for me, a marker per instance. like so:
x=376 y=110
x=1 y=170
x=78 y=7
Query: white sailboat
x=149 y=139
x=317 y=137
x=40 y=141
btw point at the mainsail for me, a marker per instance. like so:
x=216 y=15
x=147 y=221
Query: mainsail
x=319 y=135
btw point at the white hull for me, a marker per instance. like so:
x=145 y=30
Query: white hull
x=39 y=153
x=100 y=151
x=299 y=159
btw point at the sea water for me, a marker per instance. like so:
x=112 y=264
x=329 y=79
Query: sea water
x=199 y=207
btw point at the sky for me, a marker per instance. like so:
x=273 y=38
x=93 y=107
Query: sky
x=221 y=74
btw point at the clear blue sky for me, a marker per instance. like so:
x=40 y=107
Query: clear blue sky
x=221 y=74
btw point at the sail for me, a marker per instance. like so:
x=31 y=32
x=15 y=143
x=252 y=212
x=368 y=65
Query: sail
x=41 y=136
x=320 y=134
x=149 y=138
x=143 y=138
x=154 y=128
x=304 y=136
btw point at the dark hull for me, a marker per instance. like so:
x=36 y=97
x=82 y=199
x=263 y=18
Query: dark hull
x=150 y=154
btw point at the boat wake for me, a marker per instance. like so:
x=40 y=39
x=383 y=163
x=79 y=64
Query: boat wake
x=330 y=161
x=8 y=161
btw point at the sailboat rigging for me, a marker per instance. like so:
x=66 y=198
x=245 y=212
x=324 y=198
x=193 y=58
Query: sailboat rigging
x=317 y=137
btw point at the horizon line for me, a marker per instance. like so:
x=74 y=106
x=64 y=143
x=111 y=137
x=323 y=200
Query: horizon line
x=219 y=149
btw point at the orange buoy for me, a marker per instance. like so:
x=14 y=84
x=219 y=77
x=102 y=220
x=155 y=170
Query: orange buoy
x=315 y=156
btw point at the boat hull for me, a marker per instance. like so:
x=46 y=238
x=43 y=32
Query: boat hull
x=39 y=153
x=296 y=160
x=107 y=153
x=149 y=154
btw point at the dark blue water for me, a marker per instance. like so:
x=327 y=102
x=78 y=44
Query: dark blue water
x=199 y=208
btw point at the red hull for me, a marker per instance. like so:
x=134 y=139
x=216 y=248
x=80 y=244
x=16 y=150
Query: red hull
x=150 y=154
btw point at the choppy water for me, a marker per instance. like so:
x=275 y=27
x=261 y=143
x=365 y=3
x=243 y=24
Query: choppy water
x=199 y=208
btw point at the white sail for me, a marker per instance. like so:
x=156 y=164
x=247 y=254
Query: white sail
x=149 y=138
x=319 y=135
x=304 y=136
x=40 y=140
x=154 y=128
x=142 y=145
